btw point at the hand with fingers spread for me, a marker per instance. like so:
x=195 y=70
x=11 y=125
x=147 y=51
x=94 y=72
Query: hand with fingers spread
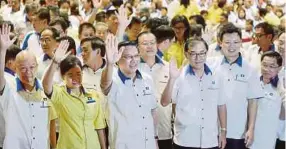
x=123 y=17
x=174 y=71
x=5 y=41
x=61 y=51
x=97 y=3
x=112 y=52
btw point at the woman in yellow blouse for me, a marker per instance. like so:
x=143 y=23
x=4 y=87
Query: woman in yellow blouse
x=181 y=26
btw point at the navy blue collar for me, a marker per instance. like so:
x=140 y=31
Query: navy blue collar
x=124 y=78
x=191 y=71
x=238 y=61
x=157 y=60
x=125 y=37
x=271 y=48
x=160 y=53
x=20 y=86
x=81 y=88
x=217 y=48
x=273 y=81
x=46 y=57
x=8 y=70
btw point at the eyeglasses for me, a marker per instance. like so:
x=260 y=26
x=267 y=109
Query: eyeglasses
x=152 y=43
x=130 y=57
x=258 y=35
x=200 y=55
x=269 y=66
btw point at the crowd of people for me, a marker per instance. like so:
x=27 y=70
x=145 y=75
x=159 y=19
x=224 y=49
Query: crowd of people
x=139 y=74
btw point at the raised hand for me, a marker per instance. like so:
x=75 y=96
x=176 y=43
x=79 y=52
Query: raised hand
x=97 y=3
x=61 y=51
x=112 y=52
x=173 y=69
x=5 y=41
x=123 y=17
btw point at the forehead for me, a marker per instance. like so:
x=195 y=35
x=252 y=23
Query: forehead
x=47 y=33
x=231 y=36
x=87 y=29
x=179 y=24
x=269 y=60
x=86 y=44
x=259 y=30
x=197 y=47
x=75 y=69
x=147 y=37
x=130 y=50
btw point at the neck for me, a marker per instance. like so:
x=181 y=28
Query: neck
x=180 y=41
x=265 y=48
x=76 y=91
x=95 y=66
x=266 y=80
x=232 y=59
x=199 y=72
x=160 y=47
x=15 y=10
x=87 y=10
x=28 y=87
x=150 y=61
x=50 y=54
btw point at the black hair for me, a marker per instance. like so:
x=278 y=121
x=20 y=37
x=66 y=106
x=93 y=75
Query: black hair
x=61 y=22
x=185 y=3
x=192 y=41
x=134 y=20
x=117 y=3
x=204 y=12
x=100 y=17
x=249 y=21
x=44 y=14
x=126 y=43
x=196 y=30
x=182 y=19
x=199 y=20
x=72 y=45
x=74 y=8
x=228 y=29
x=70 y=62
x=30 y=7
x=273 y=54
x=267 y=28
x=165 y=8
x=262 y=12
x=85 y=25
x=163 y=33
x=110 y=12
x=60 y=2
x=153 y=23
x=12 y=52
x=55 y=32
x=143 y=33
x=96 y=43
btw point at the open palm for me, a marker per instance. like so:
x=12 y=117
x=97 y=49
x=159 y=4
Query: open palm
x=123 y=17
x=61 y=51
x=112 y=52
x=5 y=41
x=173 y=69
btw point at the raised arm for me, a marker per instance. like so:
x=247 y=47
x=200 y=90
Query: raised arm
x=59 y=55
x=174 y=74
x=124 y=21
x=97 y=4
x=5 y=43
x=112 y=56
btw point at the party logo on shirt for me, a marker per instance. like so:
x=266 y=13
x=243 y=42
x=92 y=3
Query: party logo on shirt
x=90 y=100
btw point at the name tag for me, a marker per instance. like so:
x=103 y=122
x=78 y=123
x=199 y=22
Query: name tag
x=240 y=78
x=147 y=91
x=45 y=104
x=90 y=100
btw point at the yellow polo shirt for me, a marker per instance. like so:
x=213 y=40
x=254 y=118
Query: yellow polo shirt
x=175 y=50
x=79 y=117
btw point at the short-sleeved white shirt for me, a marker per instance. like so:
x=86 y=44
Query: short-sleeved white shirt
x=26 y=117
x=240 y=83
x=267 y=115
x=160 y=75
x=130 y=119
x=197 y=101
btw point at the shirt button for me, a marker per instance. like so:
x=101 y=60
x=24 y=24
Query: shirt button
x=229 y=68
x=32 y=104
x=134 y=85
x=202 y=127
x=202 y=118
x=202 y=99
x=146 y=139
x=202 y=109
x=34 y=127
x=34 y=138
x=143 y=117
x=228 y=79
x=145 y=128
x=33 y=115
x=139 y=106
x=201 y=90
x=137 y=95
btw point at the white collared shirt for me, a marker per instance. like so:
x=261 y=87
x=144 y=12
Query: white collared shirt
x=267 y=119
x=31 y=42
x=43 y=67
x=240 y=83
x=26 y=118
x=160 y=75
x=130 y=120
x=197 y=101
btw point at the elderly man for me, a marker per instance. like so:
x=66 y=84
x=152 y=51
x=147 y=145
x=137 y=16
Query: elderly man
x=23 y=106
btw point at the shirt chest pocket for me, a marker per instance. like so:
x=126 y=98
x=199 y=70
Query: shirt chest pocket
x=90 y=107
x=212 y=92
x=240 y=78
